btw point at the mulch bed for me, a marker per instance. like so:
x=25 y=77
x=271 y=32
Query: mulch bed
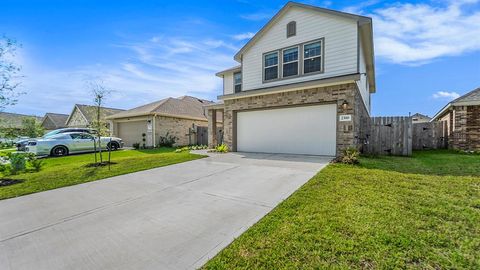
x=98 y=164
x=7 y=182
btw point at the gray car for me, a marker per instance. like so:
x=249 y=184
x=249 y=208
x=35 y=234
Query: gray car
x=69 y=143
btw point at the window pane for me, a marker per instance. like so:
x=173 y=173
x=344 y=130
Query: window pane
x=312 y=65
x=238 y=88
x=311 y=50
x=290 y=69
x=271 y=59
x=290 y=55
x=271 y=73
x=237 y=77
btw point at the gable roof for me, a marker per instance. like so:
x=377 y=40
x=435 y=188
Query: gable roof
x=365 y=29
x=89 y=112
x=469 y=99
x=420 y=115
x=284 y=9
x=183 y=107
x=14 y=119
x=58 y=119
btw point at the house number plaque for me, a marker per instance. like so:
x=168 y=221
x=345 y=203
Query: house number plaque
x=345 y=118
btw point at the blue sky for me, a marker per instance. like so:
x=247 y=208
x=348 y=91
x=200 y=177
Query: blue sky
x=427 y=52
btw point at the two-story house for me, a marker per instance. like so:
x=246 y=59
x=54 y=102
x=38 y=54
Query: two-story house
x=303 y=85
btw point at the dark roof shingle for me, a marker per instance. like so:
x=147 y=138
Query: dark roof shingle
x=186 y=106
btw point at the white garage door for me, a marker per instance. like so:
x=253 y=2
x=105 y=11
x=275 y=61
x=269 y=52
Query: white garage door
x=298 y=130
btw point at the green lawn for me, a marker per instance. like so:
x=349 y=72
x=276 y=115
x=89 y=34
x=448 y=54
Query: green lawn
x=71 y=170
x=386 y=213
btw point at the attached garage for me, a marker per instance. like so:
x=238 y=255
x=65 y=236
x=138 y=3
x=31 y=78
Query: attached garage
x=307 y=130
x=131 y=132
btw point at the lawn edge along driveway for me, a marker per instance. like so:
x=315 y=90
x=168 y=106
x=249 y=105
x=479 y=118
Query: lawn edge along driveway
x=72 y=170
x=388 y=212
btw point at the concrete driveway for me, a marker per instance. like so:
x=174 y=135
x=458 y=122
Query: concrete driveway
x=174 y=217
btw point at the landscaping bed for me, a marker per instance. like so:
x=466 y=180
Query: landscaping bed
x=76 y=169
x=421 y=212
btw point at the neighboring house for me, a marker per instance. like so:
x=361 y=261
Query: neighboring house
x=14 y=120
x=86 y=115
x=462 y=117
x=12 y=123
x=303 y=85
x=178 y=117
x=52 y=121
x=420 y=118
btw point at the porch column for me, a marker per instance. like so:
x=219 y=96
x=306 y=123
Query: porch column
x=212 y=128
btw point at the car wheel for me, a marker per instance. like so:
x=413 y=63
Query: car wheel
x=59 y=151
x=113 y=146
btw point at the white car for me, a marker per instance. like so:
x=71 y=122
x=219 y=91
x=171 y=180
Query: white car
x=72 y=142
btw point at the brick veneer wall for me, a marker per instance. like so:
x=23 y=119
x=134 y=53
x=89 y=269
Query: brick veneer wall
x=473 y=127
x=177 y=127
x=466 y=135
x=350 y=133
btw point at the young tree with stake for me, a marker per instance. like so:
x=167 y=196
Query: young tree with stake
x=100 y=92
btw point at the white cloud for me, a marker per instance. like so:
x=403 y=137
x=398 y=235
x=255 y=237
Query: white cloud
x=415 y=34
x=242 y=36
x=446 y=95
x=149 y=70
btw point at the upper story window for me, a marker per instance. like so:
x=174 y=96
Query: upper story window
x=290 y=62
x=270 y=66
x=291 y=29
x=312 y=57
x=237 y=81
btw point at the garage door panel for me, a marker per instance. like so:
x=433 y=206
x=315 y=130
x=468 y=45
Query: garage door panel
x=131 y=132
x=295 y=130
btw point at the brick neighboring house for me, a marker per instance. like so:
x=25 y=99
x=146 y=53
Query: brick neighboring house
x=52 y=121
x=178 y=117
x=302 y=87
x=462 y=117
x=86 y=115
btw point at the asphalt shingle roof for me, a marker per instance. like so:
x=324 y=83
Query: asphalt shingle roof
x=470 y=96
x=58 y=119
x=186 y=106
x=90 y=112
x=14 y=119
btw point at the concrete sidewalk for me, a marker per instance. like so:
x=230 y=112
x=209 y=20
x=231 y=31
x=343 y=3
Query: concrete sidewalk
x=174 y=217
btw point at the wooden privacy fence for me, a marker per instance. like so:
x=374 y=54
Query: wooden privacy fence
x=430 y=135
x=390 y=136
x=399 y=136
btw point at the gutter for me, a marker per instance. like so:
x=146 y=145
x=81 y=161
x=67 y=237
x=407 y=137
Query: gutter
x=342 y=79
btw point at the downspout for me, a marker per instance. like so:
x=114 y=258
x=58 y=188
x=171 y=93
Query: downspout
x=154 y=123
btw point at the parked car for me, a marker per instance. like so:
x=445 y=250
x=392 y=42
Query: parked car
x=63 y=144
x=22 y=144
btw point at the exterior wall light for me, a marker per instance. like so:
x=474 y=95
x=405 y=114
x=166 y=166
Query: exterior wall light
x=345 y=105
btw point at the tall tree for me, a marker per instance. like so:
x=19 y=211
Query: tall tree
x=9 y=73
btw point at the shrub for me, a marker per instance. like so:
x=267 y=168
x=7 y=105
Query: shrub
x=167 y=140
x=34 y=162
x=191 y=147
x=136 y=146
x=349 y=156
x=222 y=148
x=17 y=162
